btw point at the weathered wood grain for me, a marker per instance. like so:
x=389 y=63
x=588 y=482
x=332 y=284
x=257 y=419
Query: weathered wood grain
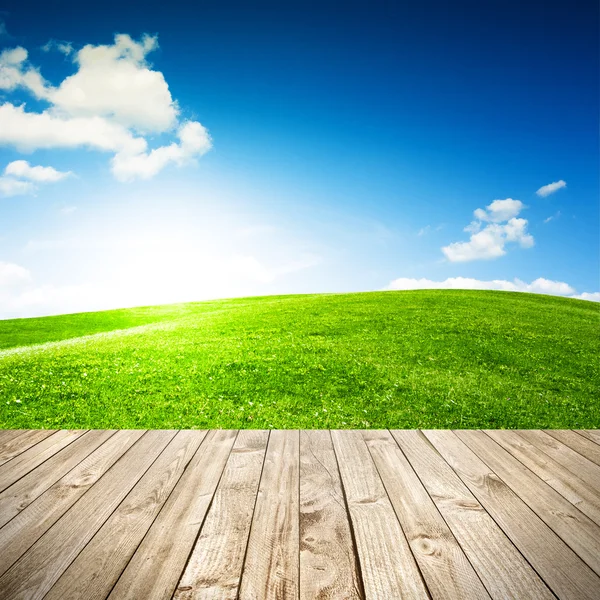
x=32 y=576
x=388 y=567
x=576 y=442
x=20 y=533
x=159 y=561
x=214 y=569
x=312 y=514
x=96 y=569
x=328 y=565
x=562 y=570
x=574 y=489
x=477 y=533
x=20 y=443
x=576 y=463
x=446 y=570
x=272 y=562
x=577 y=530
x=20 y=465
x=8 y=434
x=22 y=493
x=591 y=434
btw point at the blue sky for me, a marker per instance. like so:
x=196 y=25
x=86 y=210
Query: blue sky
x=297 y=148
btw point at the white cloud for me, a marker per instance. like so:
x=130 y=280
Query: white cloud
x=547 y=286
x=485 y=244
x=591 y=296
x=109 y=104
x=428 y=228
x=552 y=217
x=516 y=231
x=29 y=131
x=67 y=210
x=63 y=47
x=490 y=242
x=12 y=274
x=546 y=190
x=499 y=210
x=114 y=81
x=539 y=286
x=14 y=73
x=22 y=169
x=194 y=141
x=13 y=56
x=14 y=187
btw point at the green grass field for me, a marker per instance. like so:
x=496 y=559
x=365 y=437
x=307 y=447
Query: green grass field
x=439 y=359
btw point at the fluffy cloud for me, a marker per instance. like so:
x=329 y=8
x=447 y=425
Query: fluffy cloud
x=11 y=274
x=15 y=187
x=490 y=242
x=115 y=82
x=14 y=73
x=546 y=190
x=499 y=210
x=109 y=104
x=538 y=286
x=591 y=296
x=194 y=141
x=22 y=169
x=29 y=131
x=13 y=184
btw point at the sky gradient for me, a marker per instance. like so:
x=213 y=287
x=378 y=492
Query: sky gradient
x=153 y=153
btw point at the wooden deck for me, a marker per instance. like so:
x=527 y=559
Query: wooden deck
x=299 y=514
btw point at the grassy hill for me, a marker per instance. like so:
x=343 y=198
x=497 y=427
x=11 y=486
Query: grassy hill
x=438 y=358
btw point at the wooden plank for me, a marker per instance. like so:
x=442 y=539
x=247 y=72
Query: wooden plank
x=328 y=566
x=591 y=434
x=22 y=493
x=272 y=563
x=387 y=565
x=580 y=444
x=9 y=434
x=214 y=569
x=11 y=448
x=575 y=490
x=19 y=534
x=562 y=570
x=577 y=530
x=20 y=465
x=158 y=563
x=32 y=576
x=96 y=569
x=445 y=568
x=477 y=533
x=578 y=465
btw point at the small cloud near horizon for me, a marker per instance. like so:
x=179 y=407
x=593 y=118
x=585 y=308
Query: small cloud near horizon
x=538 y=286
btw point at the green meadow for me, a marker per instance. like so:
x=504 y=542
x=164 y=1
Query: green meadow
x=415 y=359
